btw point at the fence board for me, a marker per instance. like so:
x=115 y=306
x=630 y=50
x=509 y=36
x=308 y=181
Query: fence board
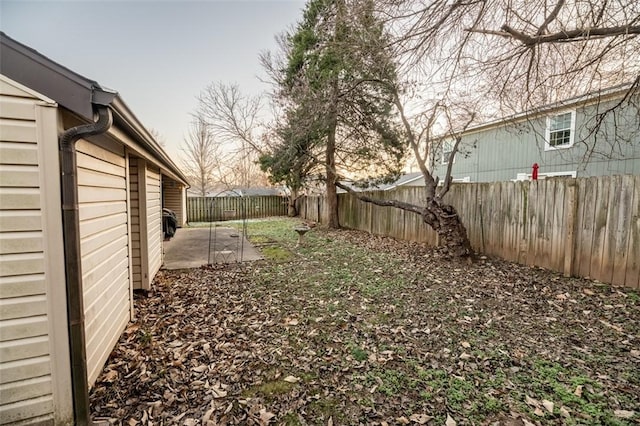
x=609 y=243
x=632 y=277
x=557 y=235
x=213 y=209
x=588 y=227
x=620 y=238
x=600 y=225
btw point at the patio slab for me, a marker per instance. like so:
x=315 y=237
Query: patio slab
x=196 y=247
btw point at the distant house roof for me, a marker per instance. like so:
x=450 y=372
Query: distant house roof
x=240 y=192
x=76 y=93
x=255 y=192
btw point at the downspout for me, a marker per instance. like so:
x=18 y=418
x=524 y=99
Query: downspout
x=73 y=267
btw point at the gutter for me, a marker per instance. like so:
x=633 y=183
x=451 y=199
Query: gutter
x=127 y=118
x=72 y=255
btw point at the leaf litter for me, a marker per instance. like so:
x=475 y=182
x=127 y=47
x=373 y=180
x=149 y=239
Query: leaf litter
x=361 y=329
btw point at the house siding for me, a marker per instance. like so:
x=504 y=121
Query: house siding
x=102 y=197
x=134 y=198
x=33 y=348
x=172 y=198
x=154 y=219
x=500 y=153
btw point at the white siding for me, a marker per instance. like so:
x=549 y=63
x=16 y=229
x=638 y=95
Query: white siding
x=172 y=198
x=154 y=220
x=102 y=197
x=134 y=200
x=31 y=279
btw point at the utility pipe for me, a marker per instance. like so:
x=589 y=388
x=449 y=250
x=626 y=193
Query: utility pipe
x=72 y=258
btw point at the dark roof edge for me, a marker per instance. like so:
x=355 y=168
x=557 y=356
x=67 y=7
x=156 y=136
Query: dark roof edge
x=137 y=129
x=73 y=92
x=69 y=89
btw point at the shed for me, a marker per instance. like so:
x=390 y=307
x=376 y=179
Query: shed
x=82 y=186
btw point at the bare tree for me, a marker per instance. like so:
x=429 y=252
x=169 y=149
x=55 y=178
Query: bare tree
x=233 y=118
x=202 y=156
x=423 y=134
x=517 y=55
x=159 y=137
x=542 y=52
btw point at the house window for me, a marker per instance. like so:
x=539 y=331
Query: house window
x=560 y=130
x=447 y=151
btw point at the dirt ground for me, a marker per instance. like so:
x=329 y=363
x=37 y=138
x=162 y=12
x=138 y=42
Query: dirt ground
x=351 y=328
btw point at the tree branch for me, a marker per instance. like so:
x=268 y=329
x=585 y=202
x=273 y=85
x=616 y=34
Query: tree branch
x=383 y=203
x=552 y=16
x=565 y=36
x=454 y=151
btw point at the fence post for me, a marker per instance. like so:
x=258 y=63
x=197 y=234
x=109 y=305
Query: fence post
x=570 y=226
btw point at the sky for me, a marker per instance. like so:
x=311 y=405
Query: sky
x=158 y=54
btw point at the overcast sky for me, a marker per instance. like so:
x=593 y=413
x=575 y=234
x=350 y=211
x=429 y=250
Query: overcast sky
x=157 y=54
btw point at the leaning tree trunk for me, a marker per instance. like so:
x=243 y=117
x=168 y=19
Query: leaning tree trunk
x=444 y=219
x=330 y=169
x=441 y=217
x=292 y=211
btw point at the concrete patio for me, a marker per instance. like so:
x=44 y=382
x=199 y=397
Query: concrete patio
x=196 y=247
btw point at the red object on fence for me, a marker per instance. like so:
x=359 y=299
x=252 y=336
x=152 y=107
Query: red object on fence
x=534 y=174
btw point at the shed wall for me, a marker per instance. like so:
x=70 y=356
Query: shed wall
x=102 y=197
x=172 y=198
x=34 y=367
x=134 y=213
x=154 y=220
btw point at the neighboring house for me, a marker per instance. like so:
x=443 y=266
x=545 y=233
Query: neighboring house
x=559 y=138
x=405 y=180
x=80 y=229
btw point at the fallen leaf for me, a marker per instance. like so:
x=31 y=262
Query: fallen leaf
x=578 y=391
x=111 y=376
x=548 y=405
x=200 y=369
x=265 y=416
x=615 y=327
x=538 y=412
x=588 y=292
x=218 y=392
x=403 y=420
x=531 y=401
x=450 y=421
x=207 y=415
x=564 y=412
x=466 y=344
x=421 y=419
x=624 y=414
x=291 y=379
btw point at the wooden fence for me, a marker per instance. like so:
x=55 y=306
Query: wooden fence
x=212 y=209
x=588 y=227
